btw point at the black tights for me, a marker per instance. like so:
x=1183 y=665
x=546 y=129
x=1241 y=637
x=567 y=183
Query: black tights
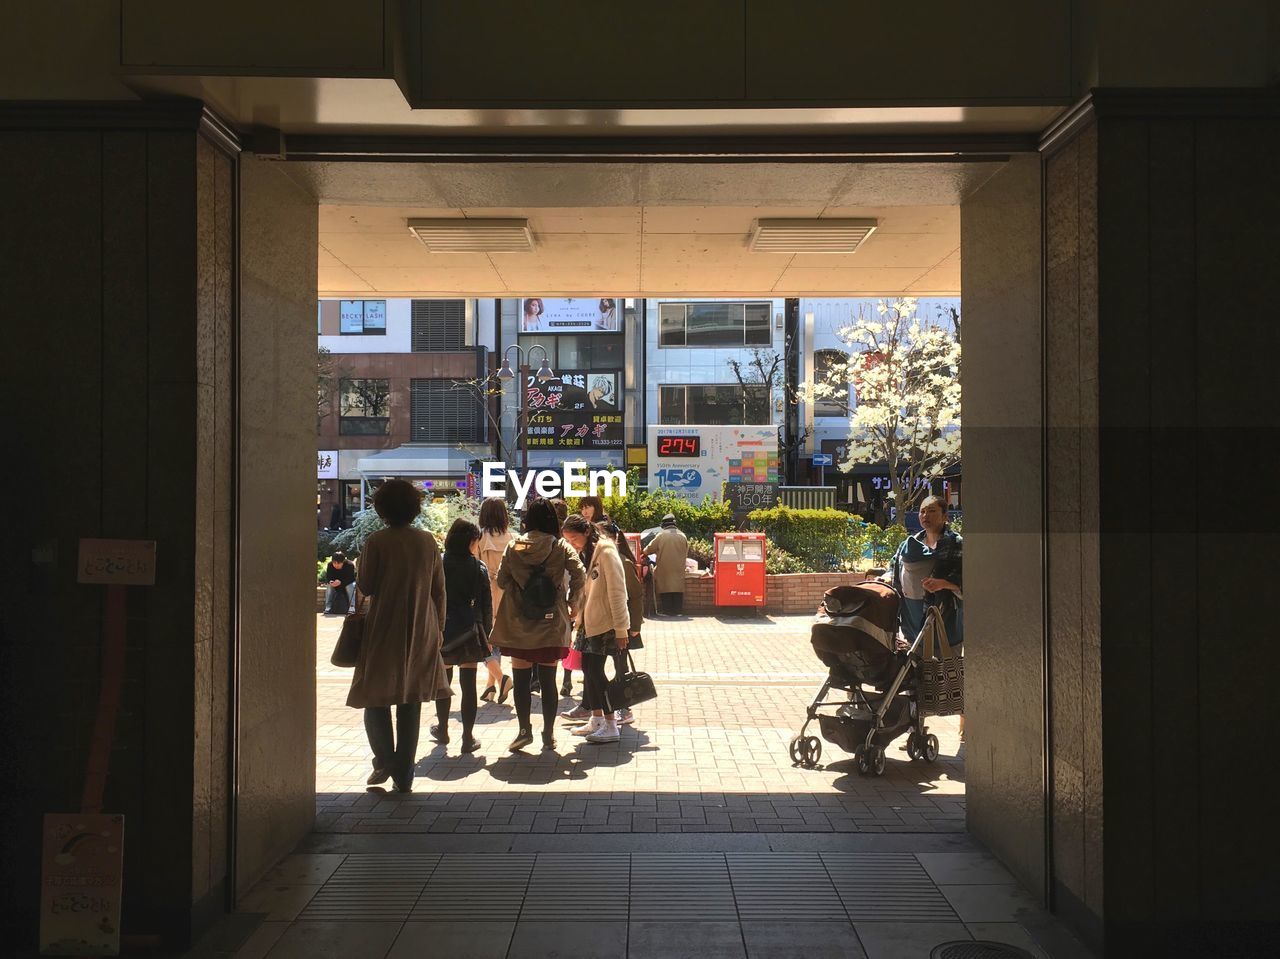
x=467 y=680
x=523 y=697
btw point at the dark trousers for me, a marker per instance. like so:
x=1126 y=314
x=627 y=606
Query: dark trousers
x=595 y=685
x=397 y=753
x=671 y=604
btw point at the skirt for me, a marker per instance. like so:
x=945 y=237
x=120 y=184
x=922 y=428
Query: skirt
x=543 y=655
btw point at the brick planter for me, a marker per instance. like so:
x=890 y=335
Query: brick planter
x=785 y=592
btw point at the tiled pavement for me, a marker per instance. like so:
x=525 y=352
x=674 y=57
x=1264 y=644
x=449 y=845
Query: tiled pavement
x=791 y=863
x=709 y=755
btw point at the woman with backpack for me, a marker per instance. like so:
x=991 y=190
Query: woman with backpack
x=534 y=618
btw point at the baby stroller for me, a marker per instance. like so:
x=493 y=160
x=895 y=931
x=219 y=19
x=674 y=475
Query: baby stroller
x=857 y=646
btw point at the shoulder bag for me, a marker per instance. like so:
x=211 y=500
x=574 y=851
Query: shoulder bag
x=941 y=684
x=346 y=652
x=471 y=645
x=630 y=687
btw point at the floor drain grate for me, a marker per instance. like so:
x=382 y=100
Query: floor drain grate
x=971 y=949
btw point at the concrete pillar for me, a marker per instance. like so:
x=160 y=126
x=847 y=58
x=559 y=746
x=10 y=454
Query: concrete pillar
x=1004 y=560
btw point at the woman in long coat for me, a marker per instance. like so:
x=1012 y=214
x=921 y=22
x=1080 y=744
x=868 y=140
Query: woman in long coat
x=399 y=663
x=671 y=547
x=543 y=639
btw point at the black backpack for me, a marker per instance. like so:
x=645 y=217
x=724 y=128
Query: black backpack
x=538 y=595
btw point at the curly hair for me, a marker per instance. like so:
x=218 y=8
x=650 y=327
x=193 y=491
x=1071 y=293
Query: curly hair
x=398 y=502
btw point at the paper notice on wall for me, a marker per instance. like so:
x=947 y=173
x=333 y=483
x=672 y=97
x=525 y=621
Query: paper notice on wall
x=118 y=562
x=82 y=869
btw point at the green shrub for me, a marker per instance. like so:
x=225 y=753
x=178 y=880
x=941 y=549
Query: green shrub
x=778 y=560
x=435 y=518
x=644 y=509
x=822 y=539
x=883 y=543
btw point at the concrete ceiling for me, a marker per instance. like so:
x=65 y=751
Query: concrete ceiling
x=639 y=229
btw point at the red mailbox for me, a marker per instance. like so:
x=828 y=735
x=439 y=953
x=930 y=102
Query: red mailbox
x=740 y=578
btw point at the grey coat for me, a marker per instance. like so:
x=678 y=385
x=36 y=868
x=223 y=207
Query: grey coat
x=672 y=548
x=402 y=573
x=512 y=630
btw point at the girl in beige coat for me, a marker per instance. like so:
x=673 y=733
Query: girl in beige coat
x=399 y=663
x=495 y=537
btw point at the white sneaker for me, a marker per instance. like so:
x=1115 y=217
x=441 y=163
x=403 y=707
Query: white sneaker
x=608 y=733
x=625 y=717
x=592 y=725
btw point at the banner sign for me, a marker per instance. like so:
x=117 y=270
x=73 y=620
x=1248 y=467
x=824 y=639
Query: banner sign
x=83 y=866
x=589 y=314
x=327 y=464
x=745 y=497
x=575 y=410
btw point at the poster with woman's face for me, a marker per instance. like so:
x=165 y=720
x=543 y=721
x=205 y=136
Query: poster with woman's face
x=570 y=315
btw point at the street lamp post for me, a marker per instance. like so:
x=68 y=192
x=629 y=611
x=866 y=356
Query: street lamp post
x=506 y=373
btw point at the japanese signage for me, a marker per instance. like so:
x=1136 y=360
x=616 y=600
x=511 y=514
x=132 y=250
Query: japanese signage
x=83 y=864
x=591 y=314
x=327 y=464
x=745 y=497
x=575 y=410
x=117 y=562
x=699 y=459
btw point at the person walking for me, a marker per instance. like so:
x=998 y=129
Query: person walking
x=927 y=570
x=604 y=626
x=495 y=537
x=671 y=547
x=533 y=621
x=399 y=662
x=468 y=604
x=339 y=577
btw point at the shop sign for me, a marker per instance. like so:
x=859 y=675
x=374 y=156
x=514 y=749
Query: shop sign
x=578 y=409
x=82 y=869
x=117 y=562
x=327 y=464
x=579 y=314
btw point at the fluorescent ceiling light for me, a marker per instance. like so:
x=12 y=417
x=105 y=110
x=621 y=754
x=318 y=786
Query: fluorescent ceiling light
x=809 y=236
x=458 y=235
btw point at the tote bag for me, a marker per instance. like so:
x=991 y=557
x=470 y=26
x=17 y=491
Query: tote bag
x=941 y=685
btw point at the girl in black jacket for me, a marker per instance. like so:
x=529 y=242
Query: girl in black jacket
x=467 y=601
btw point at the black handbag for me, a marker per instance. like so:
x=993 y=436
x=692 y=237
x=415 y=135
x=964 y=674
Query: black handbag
x=630 y=687
x=346 y=651
x=469 y=646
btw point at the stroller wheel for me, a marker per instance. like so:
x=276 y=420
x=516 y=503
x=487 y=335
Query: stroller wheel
x=877 y=760
x=930 y=749
x=796 y=750
x=863 y=759
x=913 y=747
x=812 y=752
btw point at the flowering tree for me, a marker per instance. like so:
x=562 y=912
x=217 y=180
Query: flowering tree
x=900 y=387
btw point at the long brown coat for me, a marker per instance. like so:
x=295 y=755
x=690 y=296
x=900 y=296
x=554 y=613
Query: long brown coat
x=512 y=630
x=672 y=548
x=402 y=573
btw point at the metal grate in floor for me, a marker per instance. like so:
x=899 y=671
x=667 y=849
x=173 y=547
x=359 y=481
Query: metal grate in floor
x=886 y=886
x=671 y=887
x=783 y=886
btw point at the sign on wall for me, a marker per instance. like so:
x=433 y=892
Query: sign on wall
x=82 y=868
x=327 y=464
x=745 y=497
x=575 y=410
x=589 y=314
x=117 y=562
x=695 y=461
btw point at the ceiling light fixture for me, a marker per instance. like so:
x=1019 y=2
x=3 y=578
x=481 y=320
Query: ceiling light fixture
x=810 y=236
x=459 y=235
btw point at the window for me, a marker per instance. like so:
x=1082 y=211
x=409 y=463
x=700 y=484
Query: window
x=442 y=412
x=363 y=407
x=570 y=351
x=714 y=324
x=828 y=364
x=725 y=404
x=439 y=326
x=362 y=317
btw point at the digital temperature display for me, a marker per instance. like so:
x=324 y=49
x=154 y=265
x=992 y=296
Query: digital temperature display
x=681 y=446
